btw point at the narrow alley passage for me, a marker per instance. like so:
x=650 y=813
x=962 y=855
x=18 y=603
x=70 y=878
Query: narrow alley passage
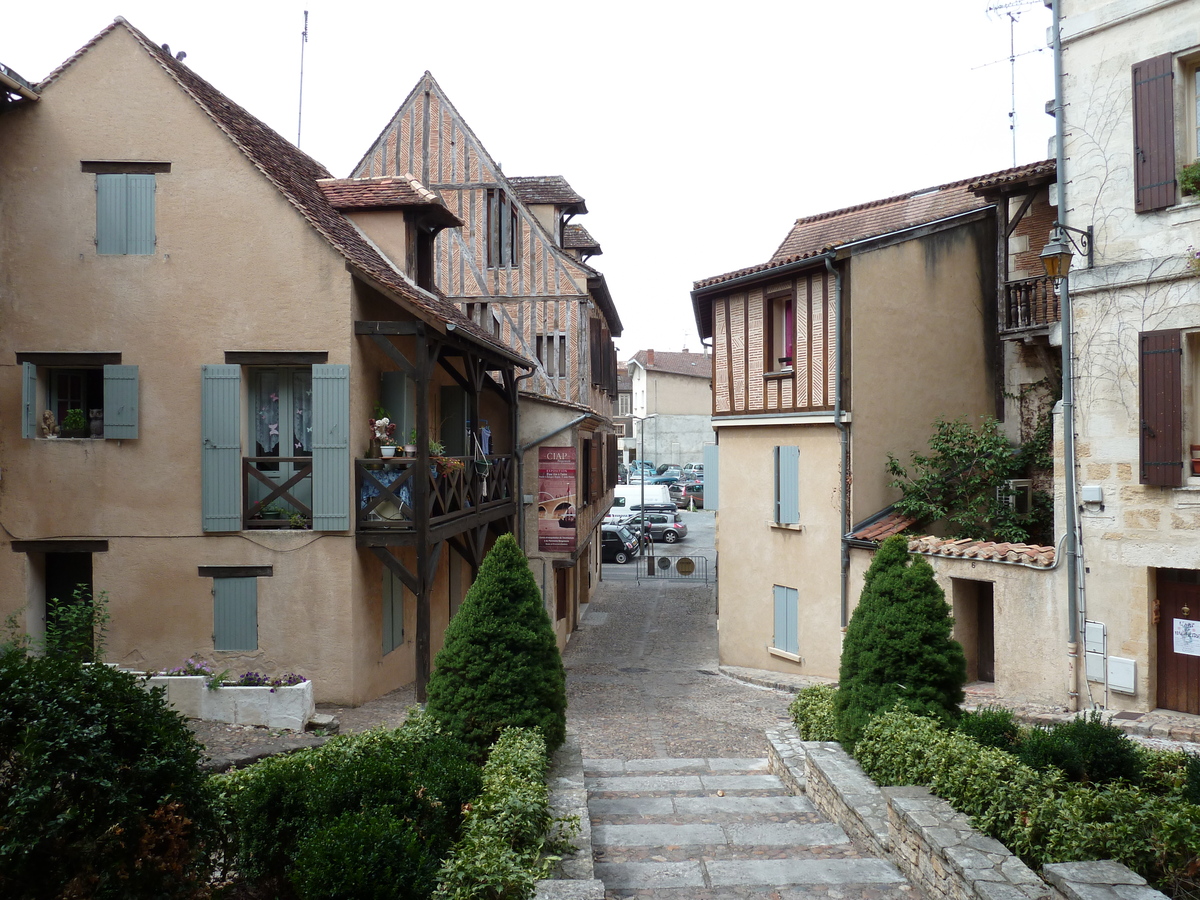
x=679 y=796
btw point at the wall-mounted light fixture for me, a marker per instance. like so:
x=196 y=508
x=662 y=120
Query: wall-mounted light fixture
x=1056 y=256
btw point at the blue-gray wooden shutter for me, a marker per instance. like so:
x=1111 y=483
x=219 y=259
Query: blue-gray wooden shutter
x=786 y=619
x=235 y=613
x=393 y=611
x=120 y=402
x=29 y=414
x=221 y=447
x=111 y=214
x=787 y=485
x=139 y=204
x=712 y=469
x=331 y=448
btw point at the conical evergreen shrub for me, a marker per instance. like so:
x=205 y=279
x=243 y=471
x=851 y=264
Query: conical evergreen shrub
x=500 y=664
x=898 y=647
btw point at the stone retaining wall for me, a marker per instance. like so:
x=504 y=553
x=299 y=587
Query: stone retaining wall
x=934 y=846
x=575 y=878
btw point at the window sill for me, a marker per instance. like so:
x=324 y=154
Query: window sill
x=780 y=374
x=780 y=526
x=783 y=654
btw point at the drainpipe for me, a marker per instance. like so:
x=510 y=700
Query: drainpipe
x=843 y=436
x=521 y=451
x=1068 y=388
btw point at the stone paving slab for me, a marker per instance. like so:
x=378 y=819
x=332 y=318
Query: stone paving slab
x=742 y=782
x=657 y=835
x=631 y=806
x=707 y=806
x=732 y=835
x=650 y=875
x=636 y=784
x=786 y=834
x=801 y=871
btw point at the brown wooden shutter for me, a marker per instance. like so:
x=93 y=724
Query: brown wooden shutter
x=1154 y=133
x=1161 y=385
x=594 y=466
x=610 y=480
x=594 y=349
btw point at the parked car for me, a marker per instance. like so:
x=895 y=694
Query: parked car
x=692 y=470
x=684 y=493
x=663 y=479
x=618 y=544
x=663 y=526
x=670 y=469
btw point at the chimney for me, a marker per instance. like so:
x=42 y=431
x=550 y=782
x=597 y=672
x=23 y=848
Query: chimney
x=649 y=357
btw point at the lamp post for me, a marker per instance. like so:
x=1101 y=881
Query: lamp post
x=642 y=458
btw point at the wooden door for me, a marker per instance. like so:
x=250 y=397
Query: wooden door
x=1179 y=640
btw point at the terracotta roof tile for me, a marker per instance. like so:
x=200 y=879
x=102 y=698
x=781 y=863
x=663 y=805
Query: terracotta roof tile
x=881 y=529
x=988 y=551
x=1041 y=171
x=367 y=193
x=296 y=175
x=576 y=237
x=672 y=363
x=551 y=189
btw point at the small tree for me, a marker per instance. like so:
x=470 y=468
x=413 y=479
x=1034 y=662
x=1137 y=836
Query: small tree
x=898 y=647
x=500 y=665
x=963 y=482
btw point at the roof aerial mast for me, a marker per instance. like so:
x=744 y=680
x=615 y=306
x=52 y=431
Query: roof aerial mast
x=300 y=112
x=1013 y=10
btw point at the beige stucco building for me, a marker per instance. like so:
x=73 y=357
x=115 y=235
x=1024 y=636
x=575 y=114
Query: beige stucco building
x=208 y=297
x=1130 y=95
x=671 y=404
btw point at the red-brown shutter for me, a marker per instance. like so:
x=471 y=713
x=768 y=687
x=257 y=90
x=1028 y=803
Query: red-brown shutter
x=1154 y=133
x=594 y=349
x=1161 y=385
x=594 y=465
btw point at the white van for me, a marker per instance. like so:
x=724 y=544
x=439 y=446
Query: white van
x=627 y=499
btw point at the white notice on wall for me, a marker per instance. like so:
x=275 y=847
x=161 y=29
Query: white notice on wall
x=1187 y=636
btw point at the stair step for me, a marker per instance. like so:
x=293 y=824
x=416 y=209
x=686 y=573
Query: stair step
x=747 y=873
x=774 y=834
x=641 y=784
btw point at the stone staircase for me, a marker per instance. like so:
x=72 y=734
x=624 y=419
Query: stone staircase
x=720 y=828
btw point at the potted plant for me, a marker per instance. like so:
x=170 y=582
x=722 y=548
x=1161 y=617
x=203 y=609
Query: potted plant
x=272 y=511
x=383 y=431
x=1189 y=178
x=410 y=449
x=74 y=424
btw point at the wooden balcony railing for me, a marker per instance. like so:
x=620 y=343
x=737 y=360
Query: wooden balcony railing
x=1029 y=303
x=255 y=513
x=460 y=486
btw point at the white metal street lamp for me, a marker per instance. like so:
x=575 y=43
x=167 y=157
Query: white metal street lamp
x=642 y=459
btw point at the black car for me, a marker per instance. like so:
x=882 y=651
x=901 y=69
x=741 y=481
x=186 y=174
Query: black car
x=618 y=544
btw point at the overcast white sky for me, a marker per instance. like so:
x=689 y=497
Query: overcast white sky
x=697 y=132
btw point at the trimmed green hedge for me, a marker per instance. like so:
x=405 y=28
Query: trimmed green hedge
x=812 y=711
x=1154 y=830
x=500 y=856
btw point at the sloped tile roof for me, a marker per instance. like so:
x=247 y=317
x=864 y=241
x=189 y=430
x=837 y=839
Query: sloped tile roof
x=988 y=551
x=675 y=363
x=881 y=527
x=552 y=189
x=576 y=237
x=375 y=193
x=1041 y=171
x=296 y=175
x=813 y=235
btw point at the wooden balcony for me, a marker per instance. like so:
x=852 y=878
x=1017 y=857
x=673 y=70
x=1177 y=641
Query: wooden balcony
x=262 y=513
x=1029 y=305
x=460 y=493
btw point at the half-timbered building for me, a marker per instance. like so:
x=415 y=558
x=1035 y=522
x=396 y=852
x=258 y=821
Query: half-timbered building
x=200 y=324
x=866 y=325
x=517 y=270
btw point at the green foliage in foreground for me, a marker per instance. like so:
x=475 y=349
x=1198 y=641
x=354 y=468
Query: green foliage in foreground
x=1152 y=828
x=502 y=852
x=812 y=712
x=101 y=793
x=898 y=647
x=500 y=665
x=302 y=819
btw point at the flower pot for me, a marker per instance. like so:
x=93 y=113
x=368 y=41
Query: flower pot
x=410 y=449
x=387 y=452
x=1196 y=466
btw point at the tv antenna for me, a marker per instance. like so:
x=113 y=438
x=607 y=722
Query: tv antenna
x=1012 y=10
x=300 y=112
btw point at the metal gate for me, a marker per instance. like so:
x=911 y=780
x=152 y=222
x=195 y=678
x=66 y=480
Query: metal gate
x=673 y=568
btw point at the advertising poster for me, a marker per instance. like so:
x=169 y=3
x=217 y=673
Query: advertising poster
x=1187 y=636
x=556 y=499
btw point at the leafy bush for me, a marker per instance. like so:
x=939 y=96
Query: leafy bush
x=500 y=855
x=280 y=806
x=500 y=664
x=369 y=855
x=898 y=647
x=1086 y=748
x=77 y=628
x=812 y=711
x=1189 y=178
x=101 y=791
x=991 y=726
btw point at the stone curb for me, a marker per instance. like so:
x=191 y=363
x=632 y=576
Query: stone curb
x=931 y=843
x=574 y=878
